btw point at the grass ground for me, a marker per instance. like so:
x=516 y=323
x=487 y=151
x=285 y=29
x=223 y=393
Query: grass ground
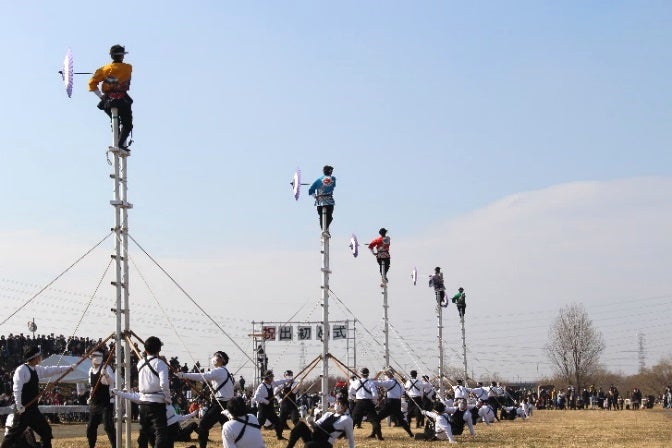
x=651 y=428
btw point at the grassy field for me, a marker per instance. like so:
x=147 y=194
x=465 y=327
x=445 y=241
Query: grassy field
x=651 y=428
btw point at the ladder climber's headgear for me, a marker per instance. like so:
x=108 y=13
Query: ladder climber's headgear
x=327 y=170
x=117 y=50
x=364 y=371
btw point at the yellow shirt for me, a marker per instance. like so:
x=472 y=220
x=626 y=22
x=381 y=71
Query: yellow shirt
x=115 y=76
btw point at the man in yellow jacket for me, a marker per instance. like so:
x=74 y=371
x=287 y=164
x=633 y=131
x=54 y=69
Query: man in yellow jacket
x=116 y=81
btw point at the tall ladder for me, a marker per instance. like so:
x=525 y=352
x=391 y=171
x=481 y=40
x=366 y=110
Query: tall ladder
x=120 y=255
x=325 y=237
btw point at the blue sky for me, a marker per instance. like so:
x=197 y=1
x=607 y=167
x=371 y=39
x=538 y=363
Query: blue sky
x=432 y=113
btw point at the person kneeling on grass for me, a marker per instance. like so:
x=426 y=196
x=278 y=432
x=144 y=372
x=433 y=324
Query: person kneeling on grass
x=324 y=432
x=447 y=422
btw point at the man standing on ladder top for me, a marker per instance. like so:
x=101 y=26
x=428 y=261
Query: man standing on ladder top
x=381 y=244
x=222 y=385
x=323 y=190
x=460 y=299
x=116 y=81
x=436 y=281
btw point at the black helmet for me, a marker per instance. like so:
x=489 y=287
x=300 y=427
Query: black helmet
x=364 y=371
x=289 y=373
x=414 y=373
x=461 y=289
x=269 y=374
x=437 y=269
x=327 y=170
x=117 y=50
x=382 y=231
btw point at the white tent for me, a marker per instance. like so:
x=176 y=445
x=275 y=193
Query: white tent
x=79 y=375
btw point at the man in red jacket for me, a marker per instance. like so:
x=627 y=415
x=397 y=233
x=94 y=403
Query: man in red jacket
x=382 y=252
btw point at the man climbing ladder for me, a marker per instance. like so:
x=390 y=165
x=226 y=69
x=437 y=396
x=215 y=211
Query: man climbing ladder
x=116 y=81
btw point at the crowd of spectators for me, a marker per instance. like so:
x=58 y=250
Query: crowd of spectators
x=592 y=397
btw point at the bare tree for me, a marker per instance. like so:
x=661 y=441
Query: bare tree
x=574 y=345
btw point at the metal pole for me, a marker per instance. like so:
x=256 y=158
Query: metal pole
x=386 y=328
x=325 y=311
x=464 y=346
x=439 y=315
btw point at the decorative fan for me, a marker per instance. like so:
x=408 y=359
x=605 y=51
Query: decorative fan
x=296 y=184
x=414 y=275
x=68 y=72
x=354 y=245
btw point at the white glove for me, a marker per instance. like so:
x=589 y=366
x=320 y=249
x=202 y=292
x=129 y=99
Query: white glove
x=114 y=390
x=227 y=414
x=19 y=408
x=423 y=412
x=180 y=375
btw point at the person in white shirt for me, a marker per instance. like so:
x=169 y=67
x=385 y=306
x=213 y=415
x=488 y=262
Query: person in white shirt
x=154 y=394
x=264 y=397
x=222 y=385
x=479 y=392
x=176 y=432
x=325 y=431
x=485 y=413
x=26 y=390
x=366 y=396
x=460 y=391
x=242 y=430
x=446 y=427
x=495 y=395
x=392 y=405
x=101 y=402
x=286 y=393
x=414 y=391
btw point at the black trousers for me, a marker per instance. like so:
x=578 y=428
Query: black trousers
x=153 y=424
x=303 y=432
x=101 y=414
x=288 y=410
x=392 y=408
x=31 y=418
x=123 y=106
x=267 y=412
x=414 y=410
x=212 y=416
x=368 y=409
x=180 y=434
x=329 y=209
x=384 y=266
